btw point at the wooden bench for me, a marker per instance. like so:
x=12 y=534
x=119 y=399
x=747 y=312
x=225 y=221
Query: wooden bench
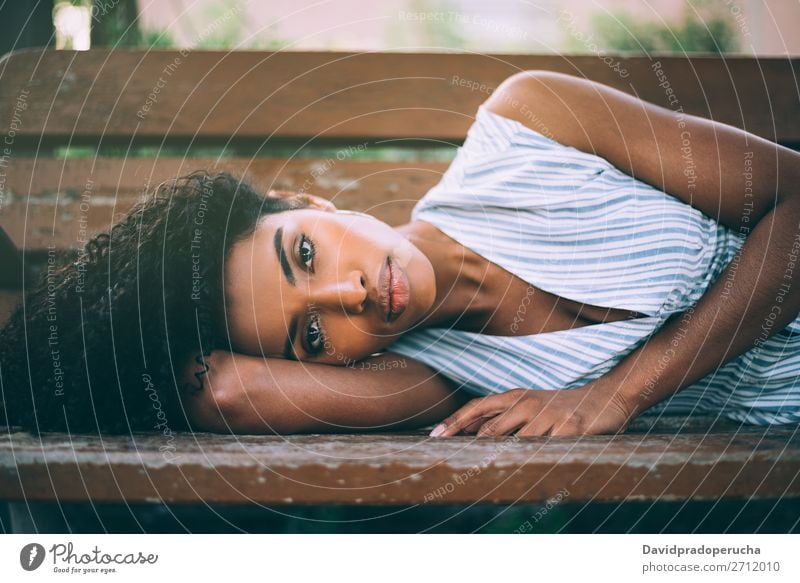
x=131 y=119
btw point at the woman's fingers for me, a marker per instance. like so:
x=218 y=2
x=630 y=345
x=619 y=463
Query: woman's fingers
x=531 y=412
x=312 y=200
x=469 y=413
x=476 y=425
x=475 y=409
x=534 y=429
x=543 y=425
x=505 y=423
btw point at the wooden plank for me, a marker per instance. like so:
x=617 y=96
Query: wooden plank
x=8 y=301
x=115 y=95
x=400 y=468
x=10 y=261
x=62 y=202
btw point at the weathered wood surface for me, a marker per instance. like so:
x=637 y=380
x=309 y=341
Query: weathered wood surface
x=61 y=202
x=403 y=468
x=120 y=96
x=8 y=300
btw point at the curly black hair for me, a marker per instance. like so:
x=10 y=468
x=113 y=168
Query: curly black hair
x=99 y=344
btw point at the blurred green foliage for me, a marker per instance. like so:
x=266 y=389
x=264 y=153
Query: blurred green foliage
x=707 y=28
x=377 y=151
x=223 y=26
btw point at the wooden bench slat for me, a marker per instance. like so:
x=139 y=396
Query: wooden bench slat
x=401 y=468
x=8 y=300
x=102 y=93
x=61 y=202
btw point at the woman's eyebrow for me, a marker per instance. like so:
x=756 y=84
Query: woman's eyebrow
x=288 y=346
x=282 y=259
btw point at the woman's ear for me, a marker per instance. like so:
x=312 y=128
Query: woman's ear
x=312 y=200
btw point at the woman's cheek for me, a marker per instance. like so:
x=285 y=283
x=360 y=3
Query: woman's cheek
x=349 y=340
x=337 y=354
x=339 y=358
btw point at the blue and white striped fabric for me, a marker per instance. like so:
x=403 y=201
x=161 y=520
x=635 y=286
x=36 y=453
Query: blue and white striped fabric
x=572 y=224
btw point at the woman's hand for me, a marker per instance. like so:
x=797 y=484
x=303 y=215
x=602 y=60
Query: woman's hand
x=590 y=409
x=312 y=200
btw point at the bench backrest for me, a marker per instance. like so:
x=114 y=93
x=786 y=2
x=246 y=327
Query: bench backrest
x=86 y=133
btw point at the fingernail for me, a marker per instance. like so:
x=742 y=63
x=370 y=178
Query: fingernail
x=437 y=431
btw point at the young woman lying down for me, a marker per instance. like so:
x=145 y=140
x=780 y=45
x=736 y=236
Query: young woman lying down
x=586 y=258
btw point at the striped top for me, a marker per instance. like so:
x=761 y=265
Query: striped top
x=572 y=224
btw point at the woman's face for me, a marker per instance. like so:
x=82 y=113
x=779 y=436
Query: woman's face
x=318 y=285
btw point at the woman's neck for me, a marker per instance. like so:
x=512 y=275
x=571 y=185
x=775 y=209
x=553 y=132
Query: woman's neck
x=460 y=276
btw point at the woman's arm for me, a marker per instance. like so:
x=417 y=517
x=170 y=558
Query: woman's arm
x=248 y=394
x=743 y=181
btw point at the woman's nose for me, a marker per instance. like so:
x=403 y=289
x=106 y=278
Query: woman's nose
x=349 y=293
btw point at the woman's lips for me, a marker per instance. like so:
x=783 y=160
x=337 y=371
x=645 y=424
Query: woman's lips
x=394 y=290
x=400 y=295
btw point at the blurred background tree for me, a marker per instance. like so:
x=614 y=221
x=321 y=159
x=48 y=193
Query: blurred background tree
x=115 y=23
x=23 y=26
x=503 y=26
x=435 y=31
x=705 y=27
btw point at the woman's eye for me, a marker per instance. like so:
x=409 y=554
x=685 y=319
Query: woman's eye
x=306 y=252
x=314 y=335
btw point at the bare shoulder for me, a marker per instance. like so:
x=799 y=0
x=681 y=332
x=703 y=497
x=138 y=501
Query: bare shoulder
x=649 y=142
x=557 y=105
x=519 y=91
